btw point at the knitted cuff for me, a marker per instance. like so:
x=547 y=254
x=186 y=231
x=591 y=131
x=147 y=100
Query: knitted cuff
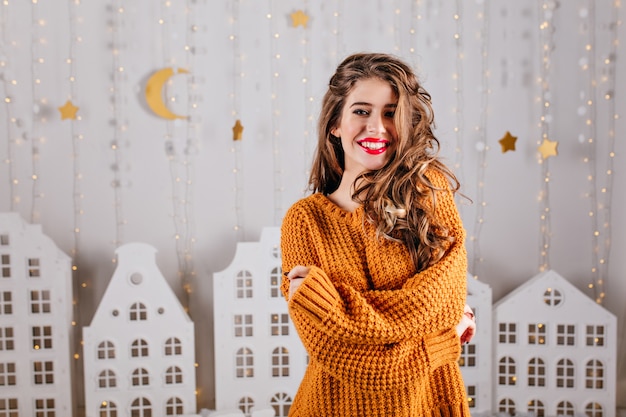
x=316 y=295
x=442 y=347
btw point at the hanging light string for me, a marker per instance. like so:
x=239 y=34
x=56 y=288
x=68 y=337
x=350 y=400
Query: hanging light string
x=482 y=145
x=397 y=26
x=457 y=82
x=338 y=21
x=120 y=124
x=12 y=123
x=415 y=17
x=181 y=145
x=39 y=102
x=236 y=150
x=276 y=113
x=309 y=119
x=546 y=14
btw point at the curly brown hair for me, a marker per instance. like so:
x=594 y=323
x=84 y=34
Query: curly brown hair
x=398 y=199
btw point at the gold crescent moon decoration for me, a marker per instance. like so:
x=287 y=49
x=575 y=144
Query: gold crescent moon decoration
x=154 y=92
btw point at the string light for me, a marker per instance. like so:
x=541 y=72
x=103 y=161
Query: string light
x=276 y=113
x=120 y=123
x=39 y=103
x=482 y=145
x=457 y=82
x=546 y=14
x=236 y=113
x=181 y=163
x=12 y=123
x=309 y=119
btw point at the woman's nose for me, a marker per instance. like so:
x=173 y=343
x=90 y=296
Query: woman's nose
x=376 y=124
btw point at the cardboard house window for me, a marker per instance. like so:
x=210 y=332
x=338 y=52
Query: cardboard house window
x=173 y=347
x=565 y=374
x=34 y=269
x=141 y=407
x=139 y=349
x=43 y=372
x=507 y=406
x=595 y=335
x=108 y=409
x=246 y=404
x=107 y=379
x=471 y=396
x=537 y=334
x=537 y=408
x=41 y=337
x=243 y=325
x=280 y=362
x=6 y=303
x=7 y=374
x=4 y=240
x=244 y=363
x=138 y=312
x=45 y=407
x=141 y=377
x=594 y=410
x=507 y=333
x=566 y=334
x=281 y=403
x=5 y=262
x=106 y=350
x=565 y=408
x=6 y=338
x=468 y=356
x=243 y=284
x=279 y=324
x=594 y=375
x=174 y=407
x=275 y=280
x=40 y=302
x=507 y=371
x=552 y=297
x=173 y=375
x=536 y=373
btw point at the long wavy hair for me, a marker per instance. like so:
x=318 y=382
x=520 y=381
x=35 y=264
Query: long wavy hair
x=398 y=198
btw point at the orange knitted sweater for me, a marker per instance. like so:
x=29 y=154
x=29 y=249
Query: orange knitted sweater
x=381 y=338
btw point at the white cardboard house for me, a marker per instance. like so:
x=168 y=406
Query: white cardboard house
x=35 y=322
x=139 y=351
x=259 y=359
x=555 y=351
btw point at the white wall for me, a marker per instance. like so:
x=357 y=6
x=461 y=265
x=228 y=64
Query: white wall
x=63 y=173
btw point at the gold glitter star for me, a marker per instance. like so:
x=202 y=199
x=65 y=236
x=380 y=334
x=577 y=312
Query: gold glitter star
x=508 y=142
x=548 y=148
x=299 y=18
x=237 y=130
x=68 y=111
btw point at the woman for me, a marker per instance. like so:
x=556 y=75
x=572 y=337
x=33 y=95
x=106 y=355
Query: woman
x=375 y=256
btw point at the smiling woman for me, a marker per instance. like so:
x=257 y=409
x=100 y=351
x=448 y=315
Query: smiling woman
x=376 y=256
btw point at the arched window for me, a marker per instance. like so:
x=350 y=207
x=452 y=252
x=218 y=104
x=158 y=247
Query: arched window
x=244 y=363
x=106 y=350
x=536 y=373
x=173 y=375
x=594 y=375
x=537 y=408
x=507 y=371
x=507 y=405
x=280 y=362
x=173 y=347
x=141 y=407
x=139 y=349
x=565 y=374
x=245 y=405
x=174 y=407
x=107 y=379
x=275 y=280
x=140 y=377
x=564 y=408
x=594 y=410
x=108 y=409
x=281 y=403
x=243 y=284
x=138 y=312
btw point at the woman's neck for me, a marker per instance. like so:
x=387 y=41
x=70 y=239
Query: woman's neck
x=342 y=196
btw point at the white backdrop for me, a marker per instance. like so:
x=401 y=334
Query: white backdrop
x=118 y=173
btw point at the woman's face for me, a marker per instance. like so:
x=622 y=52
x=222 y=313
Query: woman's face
x=368 y=134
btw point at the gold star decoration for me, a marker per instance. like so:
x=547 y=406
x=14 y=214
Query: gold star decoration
x=68 y=110
x=299 y=18
x=548 y=148
x=508 y=142
x=237 y=130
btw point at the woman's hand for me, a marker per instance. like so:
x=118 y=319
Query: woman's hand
x=467 y=327
x=295 y=276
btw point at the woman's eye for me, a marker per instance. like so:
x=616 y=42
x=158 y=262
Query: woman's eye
x=361 y=112
x=390 y=114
